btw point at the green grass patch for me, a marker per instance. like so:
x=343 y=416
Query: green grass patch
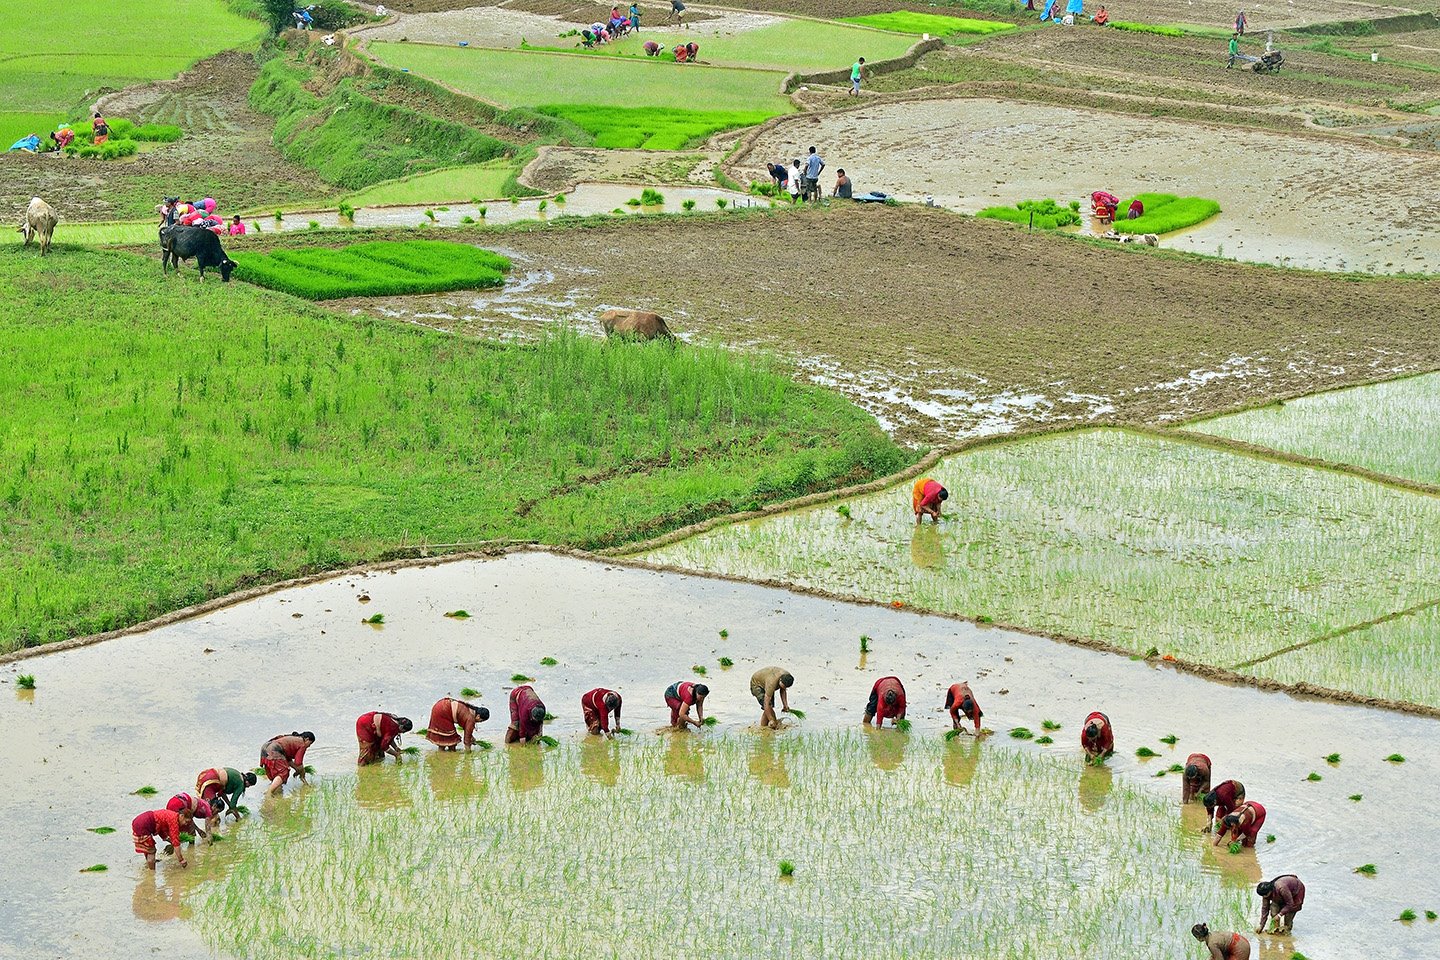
x=1155 y=28
x=382 y=268
x=1044 y=864
x=529 y=79
x=1044 y=214
x=1360 y=426
x=1206 y=554
x=652 y=128
x=1165 y=212
x=149 y=466
x=453 y=185
x=937 y=25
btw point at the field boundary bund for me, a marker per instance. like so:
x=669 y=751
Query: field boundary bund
x=841 y=76
x=1342 y=632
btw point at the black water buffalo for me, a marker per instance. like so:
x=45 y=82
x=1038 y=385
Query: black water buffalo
x=182 y=243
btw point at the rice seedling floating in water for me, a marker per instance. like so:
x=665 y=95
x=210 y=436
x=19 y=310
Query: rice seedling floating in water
x=1170 y=738
x=469 y=692
x=724 y=634
x=864 y=644
x=1368 y=869
x=726 y=663
x=1176 y=768
x=26 y=681
x=1145 y=753
x=1269 y=838
x=1236 y=846
x=101 y=830
x=548 y=661
x=843 y=510
x=375 y=619
x=902 y=725
x=96 y=868
x=797 y=713
x=1049 y=725
x=410 y=750
x=1407 y=915
x=521 y=678
x=1395 y=758
x=549 y=717
x=145 y=791
x=1333 y=758
x=1430 y=914
x=697 y=668
x=1045 y=740
x=1356 y=797
x=549 y=741
x=787 y=869
x=1314 y=777
x=458 y=615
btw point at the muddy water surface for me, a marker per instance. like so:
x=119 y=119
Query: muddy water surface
x=1296 y=201
x=158 y=707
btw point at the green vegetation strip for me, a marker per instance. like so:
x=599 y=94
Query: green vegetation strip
x=738 y=808
x=384 y=268
x=1391 y=428
x=789 y=45
x=483 y=181
x=1127 y=539
x=1043 y=214
x=905 y=21
x=652 y=128
x=1165 y=212
x=177 y=445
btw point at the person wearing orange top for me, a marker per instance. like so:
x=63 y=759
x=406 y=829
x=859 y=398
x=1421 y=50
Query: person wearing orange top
x=961 y=702
x=167 y=824
x=451 y=720
x=925 y=499
x=283 y=754
x=597 y=705
x=378 y=734
x=887 y=701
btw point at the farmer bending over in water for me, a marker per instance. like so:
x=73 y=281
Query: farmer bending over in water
x=283 y=754
x=160 y=823
x=961 y=702
x=1284 y=897
x=1242 y=824
x=1224 y=798
x=925 y=499
x=597 y=706
x=379 y=734
x=763 y=685
x=1097 y=737
x=1222 y=946
x=527 y=715
x=198 y=810
x=887 y=701
x=680 y=696
x=1196 y=779
x=450 y=719
x=222 y=788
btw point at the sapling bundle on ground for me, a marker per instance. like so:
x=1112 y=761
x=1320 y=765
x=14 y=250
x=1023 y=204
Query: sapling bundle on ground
x=469 y=692
x=25 y=681
x=1042 y=214
x=102 y=831
x=458 y=615
x=1165 y=213
x=383 y=268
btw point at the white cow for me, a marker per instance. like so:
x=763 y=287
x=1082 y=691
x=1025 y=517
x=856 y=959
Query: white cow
x=39 y=223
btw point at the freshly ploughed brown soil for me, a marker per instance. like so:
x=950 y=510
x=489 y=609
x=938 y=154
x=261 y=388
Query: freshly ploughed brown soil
x=226 y=153
x=892 y=305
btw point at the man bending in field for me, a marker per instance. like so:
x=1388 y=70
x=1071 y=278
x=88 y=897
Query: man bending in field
x=1283 y=897
x=1221 y=945
x=1221 y=801
x=1195 y=782
x=925 y=499
x=597 y=705
x=1242 y=825
x=887 y=701
x=378 y=734
x=763 y=686
x=961 y=702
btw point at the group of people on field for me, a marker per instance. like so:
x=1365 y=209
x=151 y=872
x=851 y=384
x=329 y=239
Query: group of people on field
x=800 y=181
x=198 y=213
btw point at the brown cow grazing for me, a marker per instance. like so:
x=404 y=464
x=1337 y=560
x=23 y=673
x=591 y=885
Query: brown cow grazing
x=635 y=325
x=39 y=223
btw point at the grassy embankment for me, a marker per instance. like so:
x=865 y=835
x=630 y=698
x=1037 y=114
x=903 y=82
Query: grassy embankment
x=562 y=844
x=51 y=62
x=173 y=447
x=619 y=101
x=1147 y=544
x=374 y=269
x=937 y=25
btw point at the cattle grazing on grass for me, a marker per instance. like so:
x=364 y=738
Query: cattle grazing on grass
x=39 y=224
x=635 y=325
x=184 y=243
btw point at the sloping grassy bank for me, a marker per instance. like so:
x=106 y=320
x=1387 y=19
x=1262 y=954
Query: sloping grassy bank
x=175 y=446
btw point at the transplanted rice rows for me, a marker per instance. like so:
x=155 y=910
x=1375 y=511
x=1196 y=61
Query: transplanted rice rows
x=1391 y=427
x=1124 y=538
x=533 y=852
x=375 y=269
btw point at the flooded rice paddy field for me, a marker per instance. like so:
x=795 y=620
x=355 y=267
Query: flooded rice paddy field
x=1137 y=541
x=155 y=708
x=1286 y=199
x=1391 y=427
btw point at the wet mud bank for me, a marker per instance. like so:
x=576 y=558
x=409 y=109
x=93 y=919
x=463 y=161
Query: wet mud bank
x=154 y=708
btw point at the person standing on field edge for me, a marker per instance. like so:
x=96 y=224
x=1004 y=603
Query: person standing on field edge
x=855 y=76
x=813 y=165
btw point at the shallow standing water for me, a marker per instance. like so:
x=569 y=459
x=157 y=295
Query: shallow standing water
x=156 y=708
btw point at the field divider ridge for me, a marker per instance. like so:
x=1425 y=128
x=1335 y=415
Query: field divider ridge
x=1410 y=611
